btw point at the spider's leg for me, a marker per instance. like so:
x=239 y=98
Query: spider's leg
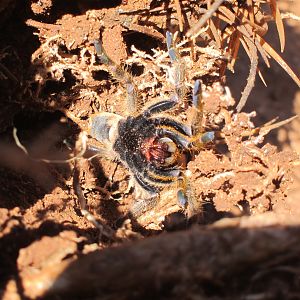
x=197 y=109
x=140 y=206
x=93 y=151
x=181 y=139
x=79 y=193
x=178 y=70
x=146 y=194
x=185 y=197
x=159 y=107
x=148 y=187
x=120 y=74
x=103 y=229
x=162 y=122
x=182 y=197
x=199 y=138
x=154 y=178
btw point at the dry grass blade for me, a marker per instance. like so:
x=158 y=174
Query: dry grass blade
x=263 y=47
x=194 y=31
x=215 y=33
x=263 y=53
x=291 y=16
x=279 y=23
x=247 y=38
x=179 y=15
x=280 y=60
x=250 y=29
x=262 y=78
x=234 y=46
x=265 y=129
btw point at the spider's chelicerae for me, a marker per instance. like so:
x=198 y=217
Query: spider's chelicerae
x=151 y=143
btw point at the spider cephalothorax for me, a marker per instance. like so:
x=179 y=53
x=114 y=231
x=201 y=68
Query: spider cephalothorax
x=151 y=143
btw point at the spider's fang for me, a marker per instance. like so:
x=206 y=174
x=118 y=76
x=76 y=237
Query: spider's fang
x=171 y=145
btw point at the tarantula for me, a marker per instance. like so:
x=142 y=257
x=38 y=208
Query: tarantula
x=151 y=143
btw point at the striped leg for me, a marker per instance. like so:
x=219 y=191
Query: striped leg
x=178 y=71
x=186 y=198
x=141 y=206
x=120 y=74
x=199 y=138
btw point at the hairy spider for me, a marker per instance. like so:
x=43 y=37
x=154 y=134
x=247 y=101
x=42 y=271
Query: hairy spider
x=151 y=143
